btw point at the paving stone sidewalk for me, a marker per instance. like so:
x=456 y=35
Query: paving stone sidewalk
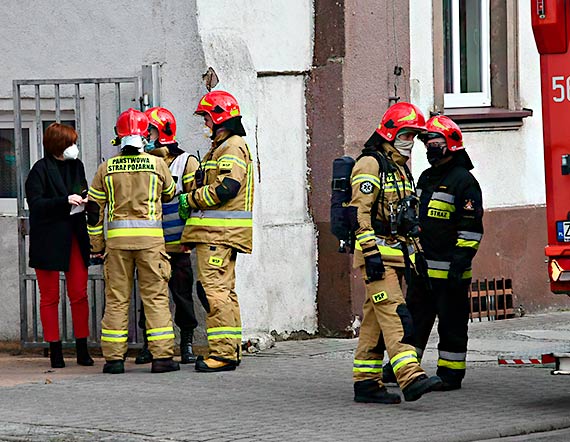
x=300 y=391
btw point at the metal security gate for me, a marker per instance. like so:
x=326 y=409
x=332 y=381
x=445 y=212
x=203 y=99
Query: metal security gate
x=91 y=106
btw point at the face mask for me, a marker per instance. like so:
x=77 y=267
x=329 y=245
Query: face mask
x=71 y=153
x=404 y=147
x=207 y=132
x=434 y=154
x=149 y=146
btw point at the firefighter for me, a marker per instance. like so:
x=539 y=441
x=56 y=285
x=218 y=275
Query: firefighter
x=451 y=212
x=381 y=185
x=132 y=186
x=162 y=143
x=220 y=226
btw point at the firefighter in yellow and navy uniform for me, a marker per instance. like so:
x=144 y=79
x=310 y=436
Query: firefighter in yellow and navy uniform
x=132 y=187
x=162 y=143
x=451 y=212
x=220 y=226
x=380 y=182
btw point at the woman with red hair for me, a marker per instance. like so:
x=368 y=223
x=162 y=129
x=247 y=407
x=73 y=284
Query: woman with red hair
x=56 y=191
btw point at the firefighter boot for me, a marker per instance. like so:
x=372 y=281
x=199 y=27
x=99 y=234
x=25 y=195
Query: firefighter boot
x=420 y=386
x=114 y=367
x=56 y=355
x=144 y=356
x=371 y=392
x=82 y=352
x=388 y=376
x=187 y=355
x=164 y=365
x=211 y=365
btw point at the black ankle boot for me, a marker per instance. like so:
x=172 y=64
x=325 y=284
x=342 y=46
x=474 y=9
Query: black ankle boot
x=187 y=355
x=56 y=355
x=144 y=356
x=82 y=352
x=370 y=391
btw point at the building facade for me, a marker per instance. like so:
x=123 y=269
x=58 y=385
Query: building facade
x=313 y=78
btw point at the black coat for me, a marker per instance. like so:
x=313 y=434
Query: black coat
x=51 y=225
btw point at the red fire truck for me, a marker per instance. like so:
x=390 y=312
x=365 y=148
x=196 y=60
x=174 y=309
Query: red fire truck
x=551 y=28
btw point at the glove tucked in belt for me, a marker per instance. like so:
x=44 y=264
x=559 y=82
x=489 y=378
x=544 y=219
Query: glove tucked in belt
x=183 y=207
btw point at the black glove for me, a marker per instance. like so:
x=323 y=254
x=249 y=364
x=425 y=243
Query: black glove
x=374 y=267
x=454 y=278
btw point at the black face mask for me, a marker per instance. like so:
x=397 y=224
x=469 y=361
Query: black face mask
x=434 y=154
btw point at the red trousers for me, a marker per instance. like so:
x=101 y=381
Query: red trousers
x=76 y=278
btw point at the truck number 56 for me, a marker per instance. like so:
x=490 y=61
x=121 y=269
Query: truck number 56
x=561 y=91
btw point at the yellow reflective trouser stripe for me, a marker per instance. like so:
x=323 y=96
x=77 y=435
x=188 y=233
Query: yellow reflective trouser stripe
x=97 y=194
x=366 y=177
x=133 y=231
x=404 y=358
x=440 y=205
x=111 y=192
x=156 y=334
x=219 y=222
x=173 y=242
x=454 y=365
x=364 y=366
x=224 y=333
x=466 y=243
x=442 y=274
x=114 y=335
x=95 y=230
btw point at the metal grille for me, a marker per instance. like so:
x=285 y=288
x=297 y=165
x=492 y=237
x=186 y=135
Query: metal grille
x=88 y=102
x=491 y=299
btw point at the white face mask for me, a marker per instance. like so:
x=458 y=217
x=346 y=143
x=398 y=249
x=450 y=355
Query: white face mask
x=71 y=153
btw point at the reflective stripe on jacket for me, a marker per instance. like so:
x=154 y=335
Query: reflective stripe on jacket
x=132 y=188
x=451 y=216
x=368 y=184
x=214 y=221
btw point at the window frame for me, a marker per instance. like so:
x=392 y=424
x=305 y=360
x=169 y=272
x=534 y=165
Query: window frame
x=470 y=99
x=9 y=206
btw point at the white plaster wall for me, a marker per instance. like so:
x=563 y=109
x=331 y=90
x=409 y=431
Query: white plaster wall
x=279 y=279
x=277 y=283
x=78 y=39
x=278 y=33
x=508 y=164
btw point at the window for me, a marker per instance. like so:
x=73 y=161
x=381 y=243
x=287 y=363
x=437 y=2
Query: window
x=30 y=154
x=466 y=53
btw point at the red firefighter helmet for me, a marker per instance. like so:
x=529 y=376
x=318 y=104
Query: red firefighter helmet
x=165 y=123
x=219 y=105
x=132 y=127
x=447 y=128
x=399 y=116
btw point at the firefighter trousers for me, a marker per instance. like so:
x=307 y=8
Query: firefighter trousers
x=386 y=325
x=153 y=272
x=450 y=304
x=180 y=285
x=216 y=283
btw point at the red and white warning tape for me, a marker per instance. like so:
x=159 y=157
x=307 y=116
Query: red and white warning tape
x=544 y=359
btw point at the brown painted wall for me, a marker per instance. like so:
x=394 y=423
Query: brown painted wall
x=513 y=247
x=348 y=91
